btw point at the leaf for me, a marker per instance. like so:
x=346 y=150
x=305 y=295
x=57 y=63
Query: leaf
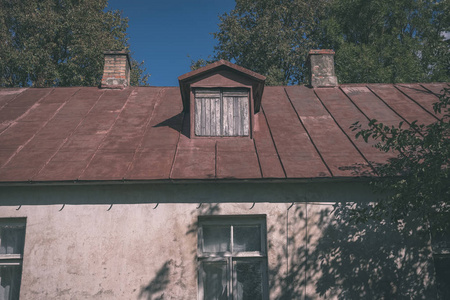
x=59 y=43
x=418 y=179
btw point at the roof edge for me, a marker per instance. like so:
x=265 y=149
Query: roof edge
x=187 y=181
x=218 y=64
x=185 y=80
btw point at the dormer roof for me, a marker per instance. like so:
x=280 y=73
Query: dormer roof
x=239 y=73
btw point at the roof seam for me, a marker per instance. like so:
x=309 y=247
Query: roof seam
x=31 y=107
x=176 y=148
x=57 y=150
x=12 y=99
x=395 y=86
x=4 y=129
x=18 y=118
x=357 y=107
x=24 y=144
x=158 y=99
x=257 y=157
x=79 y=123
x=306 y=130
x=406 y=121
x=437 y=95
x=382 y=101
x=109 y=130
x=273 y=141
x=343 y=131
x=387 y=105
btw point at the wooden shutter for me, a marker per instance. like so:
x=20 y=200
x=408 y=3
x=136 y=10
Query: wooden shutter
x=221 y=112
x=235 y=113
x=208 y=113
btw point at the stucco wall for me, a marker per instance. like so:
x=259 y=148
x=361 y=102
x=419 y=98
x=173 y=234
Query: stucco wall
x=132 y=250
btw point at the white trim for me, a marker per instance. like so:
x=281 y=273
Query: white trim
x=231 y=257
x=10 y=256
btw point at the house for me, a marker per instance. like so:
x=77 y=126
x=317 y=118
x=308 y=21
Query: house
x=221 y=188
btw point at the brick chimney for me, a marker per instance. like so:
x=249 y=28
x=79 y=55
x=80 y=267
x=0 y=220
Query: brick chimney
x=321 y=67
x=116 y=72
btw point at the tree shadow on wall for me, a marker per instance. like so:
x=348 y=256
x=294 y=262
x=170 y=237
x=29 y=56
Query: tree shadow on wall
x=203 y=209
x=340 y=259
x=155 y=289
x=286 y=280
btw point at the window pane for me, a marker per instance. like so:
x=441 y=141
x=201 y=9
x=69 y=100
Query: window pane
x=11 y=239
x=215 y=281
x=440 y=240
x=9 y=282
x=216 y=239
x=246 y=238
x=442 y=266
x=248 y=282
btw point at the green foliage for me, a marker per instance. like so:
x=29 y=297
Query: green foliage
x=388 y=41
x=418 y=180
x=138 y=77
x=270 y=37
x=196 y=64
x=375 y=41
x=58 y=42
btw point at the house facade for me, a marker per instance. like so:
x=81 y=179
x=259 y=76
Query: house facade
x=221 y=188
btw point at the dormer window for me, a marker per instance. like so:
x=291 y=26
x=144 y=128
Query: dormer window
x=221 y=112
x=221 y=100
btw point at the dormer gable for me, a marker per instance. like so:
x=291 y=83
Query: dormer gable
x=221 y=99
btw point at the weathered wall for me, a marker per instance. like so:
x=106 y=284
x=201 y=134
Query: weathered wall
x=137 y=251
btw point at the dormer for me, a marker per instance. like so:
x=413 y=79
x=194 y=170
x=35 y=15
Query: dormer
x=221 y=100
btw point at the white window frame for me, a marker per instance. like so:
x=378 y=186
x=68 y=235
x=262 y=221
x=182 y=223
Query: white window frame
x=16 y=259
x=229 y=257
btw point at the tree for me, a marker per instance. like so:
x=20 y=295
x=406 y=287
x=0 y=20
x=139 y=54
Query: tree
x=418 y=179
x=385 y=41
x=59 y=42
x=270 y=37
x=375 y=41
x=138 y=76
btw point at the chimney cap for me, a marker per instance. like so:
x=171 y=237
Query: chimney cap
x=321 y=51
x=116 y=52
x=119 y=52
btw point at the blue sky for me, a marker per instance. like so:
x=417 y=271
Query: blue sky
x=163 y=33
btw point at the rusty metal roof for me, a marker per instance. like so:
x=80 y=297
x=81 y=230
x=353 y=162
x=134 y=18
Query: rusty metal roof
x=141 y=133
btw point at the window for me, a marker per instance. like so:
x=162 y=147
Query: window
x=232 y=258
x=222 y=112
x=12 y=237
x=441 y=254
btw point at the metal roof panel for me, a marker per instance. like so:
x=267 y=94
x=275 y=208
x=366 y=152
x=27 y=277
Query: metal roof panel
x=142 y=133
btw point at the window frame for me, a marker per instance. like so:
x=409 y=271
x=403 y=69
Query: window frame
x=222 y=92
x=16 y=259
x=231 y=257
x=440 y=243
